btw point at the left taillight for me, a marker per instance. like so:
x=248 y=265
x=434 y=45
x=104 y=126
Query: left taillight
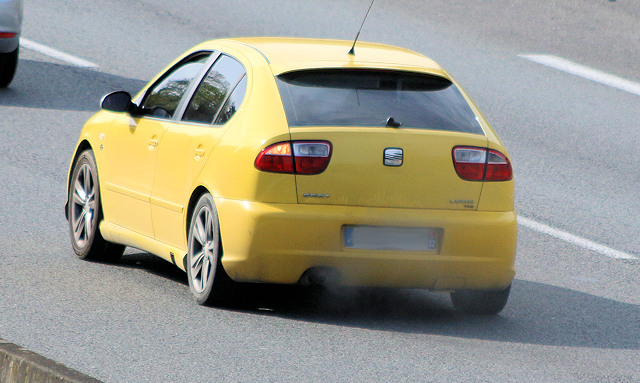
x=481 y=164
x=295 y=157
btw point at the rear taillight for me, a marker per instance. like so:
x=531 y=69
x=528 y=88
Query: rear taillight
x=276 y=158
x=296 y=157
x=7 y=35
x=481 y=164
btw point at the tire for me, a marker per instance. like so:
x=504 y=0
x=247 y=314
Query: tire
x=480 y=302
x=208 y=282
x=85 y=213
x=8 y=65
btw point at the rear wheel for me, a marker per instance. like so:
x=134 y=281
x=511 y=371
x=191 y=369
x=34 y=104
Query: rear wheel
x=85 y=213
x=208 y=282
x=8 y=65
x=480 y=302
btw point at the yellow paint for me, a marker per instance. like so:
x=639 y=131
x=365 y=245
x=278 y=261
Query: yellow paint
x=478 y=246
x=356 y=176
x=149 y=169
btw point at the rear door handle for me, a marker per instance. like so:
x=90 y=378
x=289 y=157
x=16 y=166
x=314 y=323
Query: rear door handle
x=153 y=143
x=199 y=152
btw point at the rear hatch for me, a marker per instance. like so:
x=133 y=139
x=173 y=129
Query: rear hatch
x=392 y=135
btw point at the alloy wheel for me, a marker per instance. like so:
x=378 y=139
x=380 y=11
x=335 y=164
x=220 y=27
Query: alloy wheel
x=83 y=206
x=202 y=259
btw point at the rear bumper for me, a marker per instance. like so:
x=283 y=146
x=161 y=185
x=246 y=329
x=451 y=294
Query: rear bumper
x=9 y=44
x=277 y=243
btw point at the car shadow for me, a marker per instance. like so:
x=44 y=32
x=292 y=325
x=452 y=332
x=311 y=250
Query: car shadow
x=537 y=313
x=46 y=85
x=140 y=260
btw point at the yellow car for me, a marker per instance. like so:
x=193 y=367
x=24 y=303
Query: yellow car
x=289 y=161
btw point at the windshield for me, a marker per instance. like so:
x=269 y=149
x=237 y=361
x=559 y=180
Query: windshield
x=371 y=98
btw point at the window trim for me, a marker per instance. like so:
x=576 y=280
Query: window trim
x=191 y=90
x=184 y=103
x=213 y=55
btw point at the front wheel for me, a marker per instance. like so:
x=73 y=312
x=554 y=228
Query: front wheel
x=84 y=213
x=480 y=302
x=8 y=65
x=208 y=282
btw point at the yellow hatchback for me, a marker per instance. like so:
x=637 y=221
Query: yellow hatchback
x=289 y=161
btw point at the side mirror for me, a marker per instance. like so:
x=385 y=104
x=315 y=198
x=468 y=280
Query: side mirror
x=119 y=101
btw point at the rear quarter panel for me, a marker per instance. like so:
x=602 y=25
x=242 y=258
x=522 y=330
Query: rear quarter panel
x=230 y=172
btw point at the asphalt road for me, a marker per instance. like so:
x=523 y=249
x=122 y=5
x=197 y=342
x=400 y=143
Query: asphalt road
x=574 y=313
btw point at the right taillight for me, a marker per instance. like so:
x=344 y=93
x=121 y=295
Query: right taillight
x=481 y=164
x=296 y=157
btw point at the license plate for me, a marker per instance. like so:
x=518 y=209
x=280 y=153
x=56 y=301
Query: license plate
x=392 y=238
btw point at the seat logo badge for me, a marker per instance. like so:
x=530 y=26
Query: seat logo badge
x=393 y=157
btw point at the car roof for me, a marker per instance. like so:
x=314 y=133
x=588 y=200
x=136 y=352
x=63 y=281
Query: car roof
x=286 y=54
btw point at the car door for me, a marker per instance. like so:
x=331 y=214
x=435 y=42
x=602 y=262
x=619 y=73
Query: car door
x=131 y=147
x=187 y=145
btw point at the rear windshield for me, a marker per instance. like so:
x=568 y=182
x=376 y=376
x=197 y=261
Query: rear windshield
x=343 y=97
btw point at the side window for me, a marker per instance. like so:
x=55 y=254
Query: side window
x=212 y=91
x=162 y=100
x=233 y=102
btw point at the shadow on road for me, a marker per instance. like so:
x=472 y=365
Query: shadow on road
x=47 y=85
x=135 y=259
x=536 y=313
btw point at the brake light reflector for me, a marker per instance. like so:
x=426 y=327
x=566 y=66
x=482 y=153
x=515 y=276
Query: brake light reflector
x=275 y=158
x=481 y=164
x=297 y=157
x=469 y=163
x=7 y=35
x=498 y=167
x=311 y=157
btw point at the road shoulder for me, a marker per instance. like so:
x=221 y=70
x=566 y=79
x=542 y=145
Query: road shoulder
x=18 y=365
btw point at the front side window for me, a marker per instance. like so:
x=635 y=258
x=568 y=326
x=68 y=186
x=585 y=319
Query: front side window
x=369 y=98
x=213 y=90
x=163 y=98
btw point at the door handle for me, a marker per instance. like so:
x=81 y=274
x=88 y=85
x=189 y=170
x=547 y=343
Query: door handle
x=153 y=143
x=199 y=152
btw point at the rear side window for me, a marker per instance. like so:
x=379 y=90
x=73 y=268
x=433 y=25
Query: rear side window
x=162 y=100
x=213 y=90
x=368 y=98
x=233 y=102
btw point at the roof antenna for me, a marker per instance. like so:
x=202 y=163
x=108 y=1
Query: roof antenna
x=352 y=51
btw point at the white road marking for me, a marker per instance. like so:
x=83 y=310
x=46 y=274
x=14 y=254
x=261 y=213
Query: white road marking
x=584 y=72
x=603 y=78
x=574 y=239
x=45 y=50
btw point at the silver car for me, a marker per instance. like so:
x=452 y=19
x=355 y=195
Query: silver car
x=10 y=30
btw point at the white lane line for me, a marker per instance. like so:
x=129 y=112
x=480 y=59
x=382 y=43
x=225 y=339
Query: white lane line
x=574 y=239
x=45 y=50
x=584 y=72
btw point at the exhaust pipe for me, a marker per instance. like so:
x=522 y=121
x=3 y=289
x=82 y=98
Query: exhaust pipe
x=320 y=276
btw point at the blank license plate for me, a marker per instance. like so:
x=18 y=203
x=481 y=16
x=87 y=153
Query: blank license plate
x=391 y=238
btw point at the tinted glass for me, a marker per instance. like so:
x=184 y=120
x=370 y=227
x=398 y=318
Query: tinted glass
x=211 y=93
x=233 y=102
x=163 y=99
x=369 y=98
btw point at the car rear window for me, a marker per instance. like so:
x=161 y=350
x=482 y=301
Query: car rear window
x=368 y=98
